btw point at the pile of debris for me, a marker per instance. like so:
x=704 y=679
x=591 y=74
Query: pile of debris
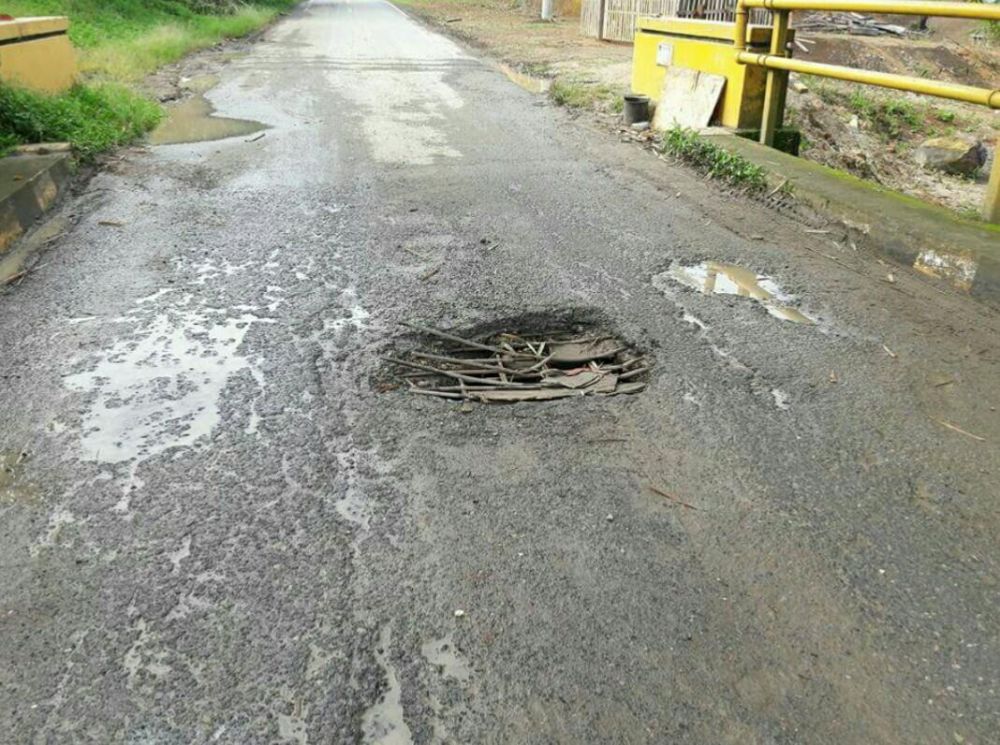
x=849 y=23
x=510 y=367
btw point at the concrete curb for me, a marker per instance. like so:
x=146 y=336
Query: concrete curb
x=29 y=185
x=928 y=238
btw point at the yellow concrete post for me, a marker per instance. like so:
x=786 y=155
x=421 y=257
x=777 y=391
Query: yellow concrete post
x=36 y=53
x=777 y=82
x=991 y=206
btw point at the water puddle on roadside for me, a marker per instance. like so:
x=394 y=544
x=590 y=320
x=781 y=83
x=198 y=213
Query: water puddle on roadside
x=715 y=278
x=13 y=487
x=442 y=654
x=528 y=82
x=383 y=723
x=194 y=120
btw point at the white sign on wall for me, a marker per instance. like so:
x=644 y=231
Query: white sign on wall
x=665 y=55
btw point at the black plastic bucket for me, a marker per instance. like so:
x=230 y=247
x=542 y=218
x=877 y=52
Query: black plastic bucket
x=636 y=108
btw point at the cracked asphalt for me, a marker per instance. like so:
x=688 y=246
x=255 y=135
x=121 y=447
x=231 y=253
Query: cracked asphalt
x=217 y=525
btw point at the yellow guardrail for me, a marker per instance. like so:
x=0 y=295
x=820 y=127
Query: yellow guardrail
x=778 y=63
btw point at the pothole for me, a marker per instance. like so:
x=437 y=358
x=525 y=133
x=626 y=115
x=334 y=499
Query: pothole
x=716 y=278
x=514 y=365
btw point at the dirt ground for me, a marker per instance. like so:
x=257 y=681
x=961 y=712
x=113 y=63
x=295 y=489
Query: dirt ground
x=844 y=127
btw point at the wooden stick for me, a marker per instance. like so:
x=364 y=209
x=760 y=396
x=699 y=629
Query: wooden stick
x=671 y=497
x=452 y=337
x=449 y=373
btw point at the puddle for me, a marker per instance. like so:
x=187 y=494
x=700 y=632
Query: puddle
x=529 y=83
x=383 y=722
x=13 y=487
x=193 y=120
x=958 y=269
x=714 y=278
x=442 y=654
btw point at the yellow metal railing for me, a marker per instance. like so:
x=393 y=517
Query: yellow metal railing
x=779 y=64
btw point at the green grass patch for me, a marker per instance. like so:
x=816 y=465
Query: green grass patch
x=577 y=95
x=716 y=162
x=891 y=118
x=93 y=118
x=118 y=43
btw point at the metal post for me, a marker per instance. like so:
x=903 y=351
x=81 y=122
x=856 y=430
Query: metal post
x=601 y=12
x=991 y=207
x=548 y=9
x=777 y=81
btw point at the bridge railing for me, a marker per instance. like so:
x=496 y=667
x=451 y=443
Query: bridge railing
x=779 y=64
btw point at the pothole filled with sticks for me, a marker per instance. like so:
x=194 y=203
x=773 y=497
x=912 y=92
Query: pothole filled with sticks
x=515 y=365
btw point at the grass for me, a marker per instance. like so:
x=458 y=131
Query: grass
x=577 y=95
x=891 y=118
x=716 y=162
x=94 y=118
x=118 y=43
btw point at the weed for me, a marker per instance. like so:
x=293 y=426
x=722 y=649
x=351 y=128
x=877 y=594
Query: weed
x=717 y=162
x=943 y=115
x=889 y=117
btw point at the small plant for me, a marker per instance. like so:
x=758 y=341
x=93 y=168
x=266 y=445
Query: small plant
x=889 y=117
x=717 y=162
x=943 y=115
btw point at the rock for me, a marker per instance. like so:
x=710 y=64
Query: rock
x=640 y=126
x=958 y=155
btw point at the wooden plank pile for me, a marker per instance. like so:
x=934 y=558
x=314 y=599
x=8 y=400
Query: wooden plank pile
x=511 y=367
x=848 y=23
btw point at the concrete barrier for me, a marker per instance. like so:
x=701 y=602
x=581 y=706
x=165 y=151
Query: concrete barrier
x=36 y=53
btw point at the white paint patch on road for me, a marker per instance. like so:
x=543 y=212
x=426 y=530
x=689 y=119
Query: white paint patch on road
x=383 y=722
x=162 y=386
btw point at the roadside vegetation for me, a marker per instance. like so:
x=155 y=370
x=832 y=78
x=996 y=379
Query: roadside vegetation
x=118 y=43
x=714 y=161
x=580 y=95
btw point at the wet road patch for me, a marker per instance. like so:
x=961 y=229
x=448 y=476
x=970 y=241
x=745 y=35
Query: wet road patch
x=515 y=365
x=716 y=278
x=13 y=485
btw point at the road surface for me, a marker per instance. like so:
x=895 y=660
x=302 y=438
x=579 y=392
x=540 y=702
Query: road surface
x=227 y=528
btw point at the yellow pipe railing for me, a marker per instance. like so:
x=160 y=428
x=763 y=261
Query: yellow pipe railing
x=779 y=64
x=954 y=91
x=976 y=11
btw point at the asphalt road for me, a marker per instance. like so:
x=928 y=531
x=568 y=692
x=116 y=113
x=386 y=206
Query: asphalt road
x=226 y=530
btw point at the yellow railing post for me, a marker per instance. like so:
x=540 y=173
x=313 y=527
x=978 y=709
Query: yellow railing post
x=777 y=82
x=991 y=205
